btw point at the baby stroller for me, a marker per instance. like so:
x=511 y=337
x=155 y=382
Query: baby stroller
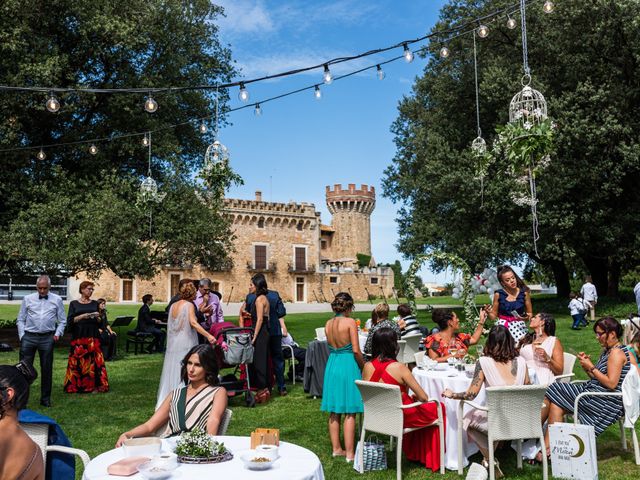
x=234 y=349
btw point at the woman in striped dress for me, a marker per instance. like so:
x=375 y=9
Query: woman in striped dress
x=199 y=405
x=606 y=375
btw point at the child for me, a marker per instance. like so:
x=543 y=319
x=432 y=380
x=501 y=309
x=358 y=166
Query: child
x=576 y=308
x=586 y=308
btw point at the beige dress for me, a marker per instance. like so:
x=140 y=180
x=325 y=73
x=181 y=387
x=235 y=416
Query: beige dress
x=543 y=372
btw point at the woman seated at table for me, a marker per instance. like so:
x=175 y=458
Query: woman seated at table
x=449 y=342
x=200 y=404
x=421 y=445
x=382 y=321
x=606 y=375
x=542 y=350
x=20 y=457
x=499 y=366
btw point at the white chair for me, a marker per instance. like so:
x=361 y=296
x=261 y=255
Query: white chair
x=291 y=361
x=383 y=414
x=39 y=433
x=412 y=346
x=401 y=346
x=513 y=413
x=321 y=334
x=623 y=421
x=419 y=356
x=225 y=421
x=567 y=372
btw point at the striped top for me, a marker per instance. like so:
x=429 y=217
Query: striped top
x=186 y=415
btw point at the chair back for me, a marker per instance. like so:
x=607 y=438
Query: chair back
x=419 y=356
x=630 y=394
x=224 y=421
x=39 y=433
x=382 y=412
x=514 y=411
x=401 y=346
x=321 y=334
x=411 y=347
x=569 y=362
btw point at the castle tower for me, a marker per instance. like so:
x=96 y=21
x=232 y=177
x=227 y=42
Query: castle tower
x=351 y=219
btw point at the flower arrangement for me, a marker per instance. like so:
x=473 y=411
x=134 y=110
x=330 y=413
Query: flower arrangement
x=198 y=447
x=525 y=145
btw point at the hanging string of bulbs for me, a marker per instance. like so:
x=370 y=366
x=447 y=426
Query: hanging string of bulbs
x=479 y=27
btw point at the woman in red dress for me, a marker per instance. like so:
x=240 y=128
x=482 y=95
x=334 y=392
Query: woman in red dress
x=421 y=445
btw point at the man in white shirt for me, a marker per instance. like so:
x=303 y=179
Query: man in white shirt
x=41 y=323
x=590 y=294
x=636 y=291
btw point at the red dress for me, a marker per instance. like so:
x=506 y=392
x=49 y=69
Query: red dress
x=422 y=445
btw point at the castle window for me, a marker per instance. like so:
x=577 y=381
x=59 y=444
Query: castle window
x=261 y=223
x=333 y=279
x=299 y=226
x=323 y=244
x=260 y=257
x=374 y=280
x=300 y=258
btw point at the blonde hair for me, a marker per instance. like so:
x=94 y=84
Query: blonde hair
x=382 y=311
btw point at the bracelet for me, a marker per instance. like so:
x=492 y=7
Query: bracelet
x=591 y=370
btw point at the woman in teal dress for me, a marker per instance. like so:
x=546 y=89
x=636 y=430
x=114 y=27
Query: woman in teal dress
x=340 y=394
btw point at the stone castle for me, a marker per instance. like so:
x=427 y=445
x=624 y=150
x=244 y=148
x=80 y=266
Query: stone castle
x=303 y=259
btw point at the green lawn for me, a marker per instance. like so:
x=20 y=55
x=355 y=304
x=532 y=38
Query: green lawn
x=94 y=422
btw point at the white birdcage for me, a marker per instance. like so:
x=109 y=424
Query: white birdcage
x=216 y=153
x=528 y=107
x=149 y=190
x=479 y=146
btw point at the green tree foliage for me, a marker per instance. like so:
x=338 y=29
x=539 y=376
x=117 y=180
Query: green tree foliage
x=587 y=196
x=75 y=211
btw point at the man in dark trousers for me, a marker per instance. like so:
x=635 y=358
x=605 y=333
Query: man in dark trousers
x=41 y=323
x=276 y=312
x=148 y=324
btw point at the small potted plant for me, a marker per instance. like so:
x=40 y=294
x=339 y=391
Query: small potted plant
x=199 y=447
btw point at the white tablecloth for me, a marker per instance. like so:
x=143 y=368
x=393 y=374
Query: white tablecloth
x=295 y=463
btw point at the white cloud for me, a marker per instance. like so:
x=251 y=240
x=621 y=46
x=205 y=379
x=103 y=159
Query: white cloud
x=245 y=16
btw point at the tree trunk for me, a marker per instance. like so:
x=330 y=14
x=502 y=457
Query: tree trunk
x=561 y=277
x=614 y=279
x=598 y=269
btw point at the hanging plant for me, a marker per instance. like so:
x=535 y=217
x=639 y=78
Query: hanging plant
x=525 y=145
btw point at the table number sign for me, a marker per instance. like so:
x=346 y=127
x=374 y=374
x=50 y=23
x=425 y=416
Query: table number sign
x=573 y=451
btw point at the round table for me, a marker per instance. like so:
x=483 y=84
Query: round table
x=295 y=463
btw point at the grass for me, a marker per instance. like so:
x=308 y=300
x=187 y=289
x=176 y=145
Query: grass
x=94 y=422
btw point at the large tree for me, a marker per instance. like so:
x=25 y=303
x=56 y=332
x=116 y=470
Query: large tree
x=587 y=206
x=75 y=211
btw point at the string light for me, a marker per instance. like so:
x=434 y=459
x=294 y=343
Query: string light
x=317 y=92
x=511 y=23
x=444 y=52
x=243 y=95
x=145 y=140
x=483 y=31
x=258 y=110
x=548 y=6
x=202 y=128
x=41 y=155
x=150 y=105
x=408 y=54
x=379 y=72
x=327 y=77
x=53 y=105
x=93 y=149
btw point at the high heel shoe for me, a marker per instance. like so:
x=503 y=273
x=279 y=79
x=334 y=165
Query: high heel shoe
x=496 y=465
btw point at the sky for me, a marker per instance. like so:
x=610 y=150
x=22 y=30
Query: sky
x=299 y=144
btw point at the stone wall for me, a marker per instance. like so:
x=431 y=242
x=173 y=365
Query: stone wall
x=351 y=210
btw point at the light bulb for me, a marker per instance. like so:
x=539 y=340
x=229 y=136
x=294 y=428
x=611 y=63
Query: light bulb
x=150 y=105
x=41 y=155
x=408 y=54
x=380 y=72
x=548 y=6
x=243 y=94
x=145 y=141
x=483 y=31
x=93 y=149
x=511 y=23
x=258 y=110
x=53 y=105
x=317 y=92
x=202 y=128
x=328 y=78
x=444 y=52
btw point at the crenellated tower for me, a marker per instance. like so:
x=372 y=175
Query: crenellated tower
x=351 y=219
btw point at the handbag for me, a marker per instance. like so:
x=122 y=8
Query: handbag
x=240 y=349
x=373 y=456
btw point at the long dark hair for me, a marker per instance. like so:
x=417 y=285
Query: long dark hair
x=260 y=283
x=500 y=345
x=549 y=327
x=384 y=344
x=207 y=357
x=17 y=377
x=502 y=269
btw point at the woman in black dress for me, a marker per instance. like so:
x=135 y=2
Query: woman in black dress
x=108 y=338
x=86 y=371
x=259 y=368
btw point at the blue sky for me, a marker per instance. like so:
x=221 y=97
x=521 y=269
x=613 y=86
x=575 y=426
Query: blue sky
x=300 y=144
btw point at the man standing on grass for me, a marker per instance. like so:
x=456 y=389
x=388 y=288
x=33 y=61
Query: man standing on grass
x=590 y=295
x=41 y=323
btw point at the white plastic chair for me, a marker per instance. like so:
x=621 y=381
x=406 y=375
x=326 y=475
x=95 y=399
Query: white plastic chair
x=411 y=348
x=401 y=346
x=567 y=372
x=225 y=421
x=418 y=356
x=513 y=413
x=291 y=361
x=321 y=334
x=633 y=372
x=39 y=433
x=383 y=414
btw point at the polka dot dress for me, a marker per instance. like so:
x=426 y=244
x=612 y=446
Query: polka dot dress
x=517 y=328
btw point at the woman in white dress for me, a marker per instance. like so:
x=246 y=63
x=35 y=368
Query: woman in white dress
x=182 y=335
x=542 y=350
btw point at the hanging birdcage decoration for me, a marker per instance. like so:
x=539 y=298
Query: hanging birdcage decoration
x=149 y=191
x=215 y=155
x=479 y=146
x=528 y=107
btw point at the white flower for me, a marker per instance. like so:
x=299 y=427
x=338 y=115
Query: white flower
x=527 y=125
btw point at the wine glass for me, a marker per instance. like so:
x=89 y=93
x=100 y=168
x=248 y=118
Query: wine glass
x=453 y=349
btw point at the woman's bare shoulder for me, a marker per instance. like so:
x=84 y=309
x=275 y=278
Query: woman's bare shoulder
x=23 y=458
